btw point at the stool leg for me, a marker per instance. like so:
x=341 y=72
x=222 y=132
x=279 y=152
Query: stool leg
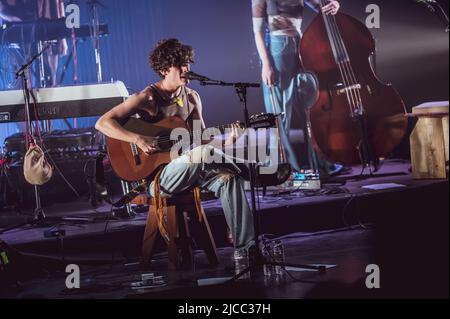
x=151 y=229
x=203 y=233
x=184 y=240
x=173 y=236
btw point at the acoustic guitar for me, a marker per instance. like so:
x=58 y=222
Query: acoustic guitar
x=131 y=164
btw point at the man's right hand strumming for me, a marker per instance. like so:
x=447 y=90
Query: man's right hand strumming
x=146 y=144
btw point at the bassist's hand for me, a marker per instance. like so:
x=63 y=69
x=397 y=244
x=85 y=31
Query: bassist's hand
x=146 y=144
x=268 y=75
x=331 y=8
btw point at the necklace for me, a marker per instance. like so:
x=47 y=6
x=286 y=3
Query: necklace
x=178 y=100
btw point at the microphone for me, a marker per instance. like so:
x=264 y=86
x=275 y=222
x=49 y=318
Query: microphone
x=194 y=76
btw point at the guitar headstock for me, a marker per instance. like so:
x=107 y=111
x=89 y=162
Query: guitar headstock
x=263 y=120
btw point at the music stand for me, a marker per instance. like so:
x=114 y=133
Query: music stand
x=241 y=90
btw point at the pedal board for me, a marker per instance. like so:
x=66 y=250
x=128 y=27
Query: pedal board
x=307 y=180
x=302 y=180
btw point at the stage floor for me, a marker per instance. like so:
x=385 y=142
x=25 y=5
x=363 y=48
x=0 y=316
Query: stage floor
x=345 y=225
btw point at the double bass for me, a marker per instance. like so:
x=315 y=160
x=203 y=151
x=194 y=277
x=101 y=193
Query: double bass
x=356 y=118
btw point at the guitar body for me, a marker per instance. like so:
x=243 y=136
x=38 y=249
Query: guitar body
x=129 y=162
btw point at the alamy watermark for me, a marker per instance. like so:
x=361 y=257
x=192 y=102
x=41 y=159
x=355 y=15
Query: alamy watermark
x=373 y=20
x=373 y=279
x=211 y=147
x=72 y=16
x=73 y=279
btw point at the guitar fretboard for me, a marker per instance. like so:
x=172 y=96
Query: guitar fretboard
x=197 y=135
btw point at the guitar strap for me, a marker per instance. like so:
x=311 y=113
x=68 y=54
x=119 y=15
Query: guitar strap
x=160 y=204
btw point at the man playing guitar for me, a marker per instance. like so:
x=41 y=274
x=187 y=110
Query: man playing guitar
x=168 y=98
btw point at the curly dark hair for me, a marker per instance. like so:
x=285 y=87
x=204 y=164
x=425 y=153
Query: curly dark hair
x=168 y=53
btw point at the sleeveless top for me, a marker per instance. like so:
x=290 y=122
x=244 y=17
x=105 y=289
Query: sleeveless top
x=282 y=17
x=182 y=104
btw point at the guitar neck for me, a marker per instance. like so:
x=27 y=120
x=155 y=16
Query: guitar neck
x=213 y=130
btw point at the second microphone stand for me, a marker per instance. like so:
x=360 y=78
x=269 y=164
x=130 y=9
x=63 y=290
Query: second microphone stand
x=241 y=90
x=39 y=214
x=95 y=33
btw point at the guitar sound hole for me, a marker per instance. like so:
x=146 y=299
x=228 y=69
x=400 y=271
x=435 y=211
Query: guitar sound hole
x=164 y=142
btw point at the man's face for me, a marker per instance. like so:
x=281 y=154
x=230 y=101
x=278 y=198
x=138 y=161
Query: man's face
x=174 y=75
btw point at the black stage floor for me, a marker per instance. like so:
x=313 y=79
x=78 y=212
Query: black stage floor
x=403 y=230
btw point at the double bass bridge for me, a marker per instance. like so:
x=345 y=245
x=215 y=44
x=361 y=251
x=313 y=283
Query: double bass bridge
x=348 y=89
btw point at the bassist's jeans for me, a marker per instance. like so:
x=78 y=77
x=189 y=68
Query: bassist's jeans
x=183 y=174
x=284 y=55
x=294 y=90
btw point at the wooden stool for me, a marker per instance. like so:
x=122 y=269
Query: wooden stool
x=181 y=213
x=429 y=141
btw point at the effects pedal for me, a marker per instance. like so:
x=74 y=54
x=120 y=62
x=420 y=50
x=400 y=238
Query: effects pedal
x=306 y=179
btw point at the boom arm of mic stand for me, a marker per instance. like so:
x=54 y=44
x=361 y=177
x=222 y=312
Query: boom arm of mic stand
x=233 y=84
x=22 y=69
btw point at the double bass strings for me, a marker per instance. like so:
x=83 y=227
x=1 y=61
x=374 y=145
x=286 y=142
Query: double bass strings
x=338 y=54
x=343 y=61
x=347 y=66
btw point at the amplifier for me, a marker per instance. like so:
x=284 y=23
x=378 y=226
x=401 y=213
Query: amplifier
x=59 y=143
x=80 y=168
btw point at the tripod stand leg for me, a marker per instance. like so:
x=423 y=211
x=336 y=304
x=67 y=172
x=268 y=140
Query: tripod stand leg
x=39 y=214
x=364 y=148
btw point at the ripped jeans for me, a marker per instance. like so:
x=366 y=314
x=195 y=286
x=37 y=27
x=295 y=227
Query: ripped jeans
x=187 y=171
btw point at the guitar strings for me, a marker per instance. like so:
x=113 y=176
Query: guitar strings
x=195 y=134
x=199 y=134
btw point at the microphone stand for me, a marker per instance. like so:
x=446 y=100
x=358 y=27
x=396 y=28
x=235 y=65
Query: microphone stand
x=241 y=89
x=96 y=35
x=39 y=214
